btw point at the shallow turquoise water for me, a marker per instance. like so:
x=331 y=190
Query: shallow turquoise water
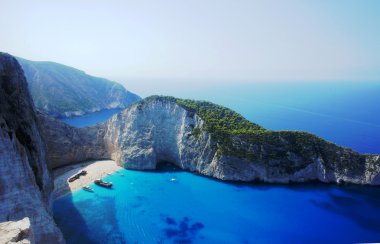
x=147 y=207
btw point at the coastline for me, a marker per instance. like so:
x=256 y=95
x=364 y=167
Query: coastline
x=95 y=169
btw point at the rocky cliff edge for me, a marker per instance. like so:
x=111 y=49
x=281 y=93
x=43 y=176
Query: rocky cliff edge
x=25 y=182
x=211 y=140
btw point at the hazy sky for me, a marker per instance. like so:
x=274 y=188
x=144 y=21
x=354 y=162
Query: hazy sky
x=206 y=39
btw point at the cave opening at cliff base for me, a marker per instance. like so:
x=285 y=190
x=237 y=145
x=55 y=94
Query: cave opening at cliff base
x=167 y=166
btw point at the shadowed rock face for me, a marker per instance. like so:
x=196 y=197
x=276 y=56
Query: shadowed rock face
x=148 y=132
x=25 y=182
x=160 y=129
x=66 y=144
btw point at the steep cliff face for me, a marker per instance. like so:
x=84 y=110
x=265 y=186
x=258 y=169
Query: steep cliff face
x=25 y=182
x=63 y=91
x=213 y=141
x=155 y=131
x=225 y=146
x=67 y=144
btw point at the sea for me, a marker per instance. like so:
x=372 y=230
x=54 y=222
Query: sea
x=174 y=206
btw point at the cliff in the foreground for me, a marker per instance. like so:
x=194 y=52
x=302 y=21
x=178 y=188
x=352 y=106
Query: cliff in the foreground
x=25 y=182
x=63 y=91
x=212 y=140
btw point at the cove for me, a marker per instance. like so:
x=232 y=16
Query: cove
x=91 y=118
x=173 y=206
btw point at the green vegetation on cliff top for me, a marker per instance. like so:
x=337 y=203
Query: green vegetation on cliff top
x=218 y=119
x=237 y=136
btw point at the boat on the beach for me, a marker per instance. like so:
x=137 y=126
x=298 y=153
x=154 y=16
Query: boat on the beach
x=100 y=182
x=88 y=188
x=77 y=175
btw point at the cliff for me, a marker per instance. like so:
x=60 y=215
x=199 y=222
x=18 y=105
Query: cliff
x=63 y=91
x=67 y=144
x=16 y=232
x=25 y=181
x=215 y=141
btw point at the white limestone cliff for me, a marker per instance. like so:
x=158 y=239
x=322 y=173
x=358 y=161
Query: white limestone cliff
x=158 y=129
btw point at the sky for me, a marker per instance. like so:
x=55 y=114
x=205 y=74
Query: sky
x=137 y=42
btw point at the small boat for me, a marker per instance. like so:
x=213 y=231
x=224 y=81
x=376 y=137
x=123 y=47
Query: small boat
x=77 y=175
x=173 y=179
x=109 y=174
x=73 y=178
x=87 y=188
x=100 y=182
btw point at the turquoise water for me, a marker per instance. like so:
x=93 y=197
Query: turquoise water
x=147 y=207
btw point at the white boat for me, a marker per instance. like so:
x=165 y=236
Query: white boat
x=87 y=188
x=173 y=179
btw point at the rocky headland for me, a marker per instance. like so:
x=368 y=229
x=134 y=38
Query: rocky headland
x=209 y=139
x=63 y=91
x=197 y=136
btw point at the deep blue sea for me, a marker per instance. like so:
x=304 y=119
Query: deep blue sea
x=346 y=113
x=149 y=207
x=91 y=119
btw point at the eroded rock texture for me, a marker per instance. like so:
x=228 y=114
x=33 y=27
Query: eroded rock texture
x=159 y=129
x=66 y=144
x=25 y=182
x=16 y=232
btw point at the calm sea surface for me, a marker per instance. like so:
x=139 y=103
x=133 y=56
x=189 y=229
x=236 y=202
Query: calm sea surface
x=346 y=113
x=152 y=207
x=171 y=206
x=91 y=119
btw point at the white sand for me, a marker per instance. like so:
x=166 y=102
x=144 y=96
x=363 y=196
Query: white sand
x=95 y=170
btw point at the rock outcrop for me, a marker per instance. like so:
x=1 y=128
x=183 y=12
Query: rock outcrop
x=25 y=182
x=16 y=232
x=67 y=145
x=63 y=91
x=195 y=135
x=166 y=129
x=214 y=141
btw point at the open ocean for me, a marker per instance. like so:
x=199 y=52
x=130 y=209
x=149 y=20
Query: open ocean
x=346 y=113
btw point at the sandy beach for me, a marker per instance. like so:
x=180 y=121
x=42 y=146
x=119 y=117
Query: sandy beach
x=95 y=170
